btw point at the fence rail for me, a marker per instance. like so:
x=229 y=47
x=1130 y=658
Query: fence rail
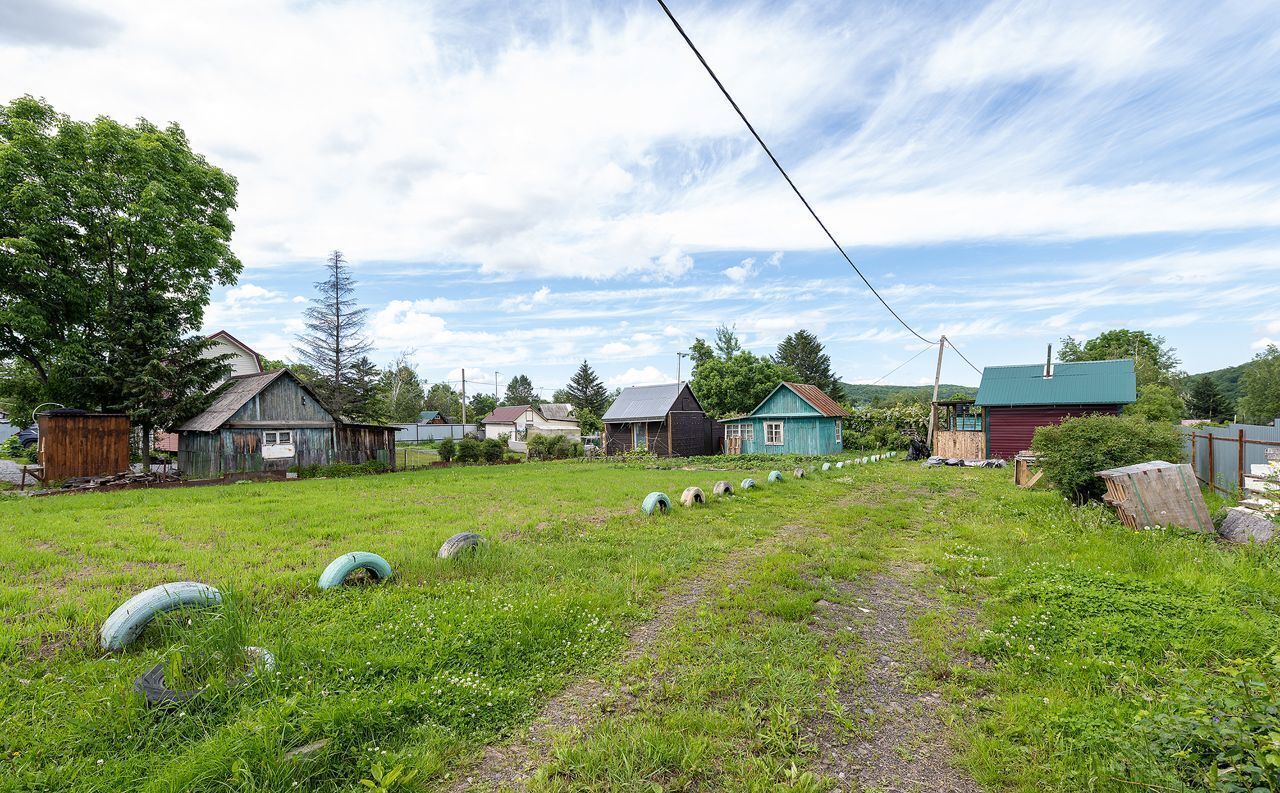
x=1221 y=456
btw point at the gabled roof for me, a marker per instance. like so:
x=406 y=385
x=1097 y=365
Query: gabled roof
x=645 y=403
x=815 y=397
x=223 y=334
x=427 y=416
x=505 y=415
x=556 y=411
x=238 y=391
x=1079 y=383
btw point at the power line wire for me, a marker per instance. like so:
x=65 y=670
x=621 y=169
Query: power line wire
x=783 y=171
x=904 y=363
x=966 y=360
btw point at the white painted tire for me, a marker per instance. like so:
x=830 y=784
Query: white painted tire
x=840 y=464
x=722 y=488
x=798 y=473
x=826 y=466
x=693 y=497
x=127 y=622
x=458 y=543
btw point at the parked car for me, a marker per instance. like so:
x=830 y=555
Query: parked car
x=29 y=437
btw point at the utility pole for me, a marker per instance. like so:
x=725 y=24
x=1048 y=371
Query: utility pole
x=933 y=406
x=464 y=400
x=680 y=356
x=495 y=387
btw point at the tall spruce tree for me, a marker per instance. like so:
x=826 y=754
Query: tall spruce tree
x=520 y=392
x=1206 y=400
x=334 y=340
x=805 y=354
x=586 y=392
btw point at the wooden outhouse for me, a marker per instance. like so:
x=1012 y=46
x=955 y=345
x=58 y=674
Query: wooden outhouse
x=1017 y=399
x=270 y=422
x=796 y=418
x=666 y=420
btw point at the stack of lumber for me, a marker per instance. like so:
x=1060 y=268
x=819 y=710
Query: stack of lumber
x=1262 y=486
x=117 y=480
x=1157 y=493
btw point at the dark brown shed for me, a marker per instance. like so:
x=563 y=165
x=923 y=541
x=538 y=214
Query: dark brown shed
x=76 y=443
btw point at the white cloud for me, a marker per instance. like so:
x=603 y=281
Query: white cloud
x=526 y=302
x=298 y=299
x=649 y=375
x=252 y=293
x=741 y=271
x=1263 y=343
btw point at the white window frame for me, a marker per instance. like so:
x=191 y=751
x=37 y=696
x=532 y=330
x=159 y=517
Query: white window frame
x=772 y=428
x=277 y=437
x=839 y=431
x=748 y=432
x=733 y=431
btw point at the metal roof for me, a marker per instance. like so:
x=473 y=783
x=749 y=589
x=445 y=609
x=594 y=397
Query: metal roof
x=239 y=390
x=556 y=411
x=643 y=403
x=1079 y=383
x=818 y=398
x=505 y=415
x=427 y=415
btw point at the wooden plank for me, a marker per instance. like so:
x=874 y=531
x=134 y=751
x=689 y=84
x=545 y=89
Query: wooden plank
x=1032 y=481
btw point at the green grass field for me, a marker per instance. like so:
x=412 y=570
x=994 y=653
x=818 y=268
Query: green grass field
x=1071 y=653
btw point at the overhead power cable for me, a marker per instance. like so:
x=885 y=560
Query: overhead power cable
x=966 y=360
x=783 y=171
x=923 y=350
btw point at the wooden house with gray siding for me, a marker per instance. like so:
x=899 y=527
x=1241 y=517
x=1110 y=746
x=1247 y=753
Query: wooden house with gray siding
x=664 y=420
x=271 y=422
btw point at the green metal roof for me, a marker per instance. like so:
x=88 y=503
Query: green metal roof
x=1082 y=383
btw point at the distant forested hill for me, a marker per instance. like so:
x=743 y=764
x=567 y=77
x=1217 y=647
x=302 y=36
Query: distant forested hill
x=1227 y=380
x=867 y=394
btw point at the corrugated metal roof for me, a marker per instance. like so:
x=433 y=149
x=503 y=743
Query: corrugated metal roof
x=426 y=416
x=643 y=403
x=1080 y=383
x=818 y=398
x=505 y=415
x=239 y=391
x=556 y=411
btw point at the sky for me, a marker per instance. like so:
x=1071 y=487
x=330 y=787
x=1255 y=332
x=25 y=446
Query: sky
x=523 y=185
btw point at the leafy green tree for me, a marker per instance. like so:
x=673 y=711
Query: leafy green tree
x=481 y=405
x=111 y=239
x=700 y=352
x=586 y=392
x=1206 y=400
x=804 y=353
x=334 y=339
x=727 y=342
x=1261 y=400
x=1157 y=402
x=444 y=399
x=400 y=392
x=1153 y=360
x=446 y=449
x=519 y=391
x=588 y=422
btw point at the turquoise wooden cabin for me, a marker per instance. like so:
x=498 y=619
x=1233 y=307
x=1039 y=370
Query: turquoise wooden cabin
x=796 y=418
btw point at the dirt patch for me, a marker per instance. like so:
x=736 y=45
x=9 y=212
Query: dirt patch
x=512 y=763
x=902 y=745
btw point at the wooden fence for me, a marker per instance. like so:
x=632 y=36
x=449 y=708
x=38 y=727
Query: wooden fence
x=83 y=444
x=1221 y=456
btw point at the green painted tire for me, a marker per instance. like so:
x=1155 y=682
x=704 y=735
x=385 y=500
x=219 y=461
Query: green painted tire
x=656 y=501
x=127 y=621
x=747 y=484
x=775 y=476
x=348 y=563
x=722 y=488
x=462 y=541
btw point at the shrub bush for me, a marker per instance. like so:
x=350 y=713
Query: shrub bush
x=492 y=449
x=468 y=451
x=340 y=470
x=1071 y=453
x=889 y=427
x=11 y=448
x=446 y=449
x=553 y=447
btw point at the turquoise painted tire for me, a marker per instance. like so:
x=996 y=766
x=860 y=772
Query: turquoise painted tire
x=722 y=488
x=775 y=476
x=747 y=484
x=126 y=622
x=462 y=541
x=826 y=466
x=656 y=501
x=348 y=563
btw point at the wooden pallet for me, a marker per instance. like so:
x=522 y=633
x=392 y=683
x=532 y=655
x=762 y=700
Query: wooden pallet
x=1157 y=493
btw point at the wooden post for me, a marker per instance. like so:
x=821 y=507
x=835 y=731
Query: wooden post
x=1240 y=464
x=933 y=406
x=1213 y=482
x=1194 y=446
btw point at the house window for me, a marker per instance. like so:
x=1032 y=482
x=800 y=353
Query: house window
x=640 y=439
x=277 y=437
x=748 y=432
x=733 y=431
x=773 y=433
x=839 y=431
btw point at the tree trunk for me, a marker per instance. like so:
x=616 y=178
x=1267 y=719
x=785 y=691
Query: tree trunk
x=146 y=448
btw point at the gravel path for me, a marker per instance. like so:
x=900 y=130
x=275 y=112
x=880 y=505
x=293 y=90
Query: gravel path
x=10 y=472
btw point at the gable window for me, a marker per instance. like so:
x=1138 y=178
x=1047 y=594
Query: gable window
x=277 y=437
x=773 y=433
x=839 y=431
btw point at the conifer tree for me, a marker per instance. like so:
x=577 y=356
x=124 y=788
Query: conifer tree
x=804 y=353
x=334 y=340
x=586 y=392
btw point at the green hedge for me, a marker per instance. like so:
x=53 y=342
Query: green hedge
x=1071 y=453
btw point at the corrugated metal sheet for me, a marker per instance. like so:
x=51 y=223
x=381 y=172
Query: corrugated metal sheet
x=643 y=403
x=816 y=397
x=1010 y=429
x=1082 y=383
x=556 y=411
